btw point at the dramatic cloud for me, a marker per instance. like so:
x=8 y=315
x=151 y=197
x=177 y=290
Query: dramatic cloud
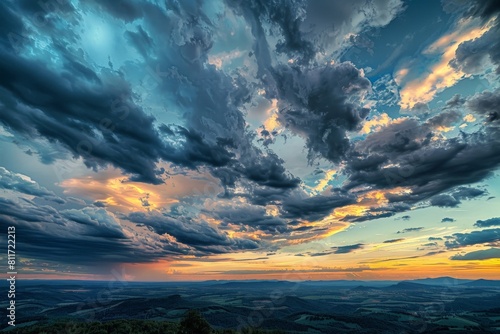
x=89 y=236
x=24 y=184
x=472 y=55
x=486 y=105
x=249 y=218
x=474 y=238
x=316 y=105
x=448 y=220
x=74 y=115
x=492 y=253
x=488 y=222
x=314 y=208
x=96 y=117
x=404 y=154
x=201 y=236
x=328 y=22
x=194 y=129
x=444 y=201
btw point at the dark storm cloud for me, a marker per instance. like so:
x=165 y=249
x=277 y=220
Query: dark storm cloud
x=210 y=98
x=377 y=212
x=315 y=207
x=259 y=195
x=448 y=220
x=63 y=235
x=486 y=104
x=81 y=237
x=96 y=120
x=444 y=119
x=305 y=28
x=403 y=154
x=444 y=201
x=468 y=193
x=327 y=22
x=492 y=253
x=197 y=151
x=316 y=104
x=472 y=55
x=455 y=198
x=199 y=235
x=72 y=114
x=96 y=117
x=250 y=218
x=286 y=16
x=483 y=8
x=473 y=238
x=435 y=238
x=267 y=171
x=488 y=222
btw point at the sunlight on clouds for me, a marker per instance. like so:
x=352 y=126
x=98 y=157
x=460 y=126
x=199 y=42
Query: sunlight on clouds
x=115 y=193
x=272 y=122
x=469 y=118
x=323 y=183
x=400 y=75
x=110 y=188
x=272 y=210
x=371 y=199
x=326 y=227
x=376 y=123
x=441 y=128
x=441 y=75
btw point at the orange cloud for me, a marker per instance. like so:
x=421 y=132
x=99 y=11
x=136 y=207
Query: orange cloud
x=376 y=123
x=111 y=188
x=370 y=199
x=323 y=183
x=442 y=75
x=272 y=122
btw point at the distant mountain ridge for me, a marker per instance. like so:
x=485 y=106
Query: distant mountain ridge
x=447 y=281
x=437 y=281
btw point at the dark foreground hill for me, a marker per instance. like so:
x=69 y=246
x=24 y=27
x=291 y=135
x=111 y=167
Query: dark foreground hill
x=123 y=327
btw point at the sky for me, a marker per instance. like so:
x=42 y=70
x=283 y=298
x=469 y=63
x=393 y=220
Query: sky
x=232 y=139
